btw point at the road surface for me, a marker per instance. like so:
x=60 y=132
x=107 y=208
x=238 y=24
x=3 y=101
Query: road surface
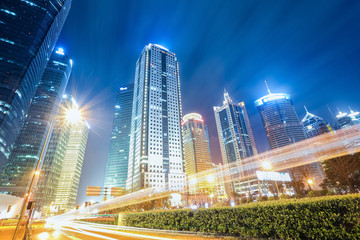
x=91 y=231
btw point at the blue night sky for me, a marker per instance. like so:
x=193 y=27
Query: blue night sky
x=309 y=49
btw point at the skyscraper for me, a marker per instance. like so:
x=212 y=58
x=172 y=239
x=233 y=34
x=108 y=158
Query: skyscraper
x=196 y=150
x=71 y=166
x=282 y=125
x=44 y=106
x=118 y=158
x=156 y=154
x=313 y=125
x=236 y=138
x=347 y=120
x=47 y=184
x=29 y=31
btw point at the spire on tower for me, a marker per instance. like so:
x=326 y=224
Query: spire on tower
x=306 y=109
x=267 y=87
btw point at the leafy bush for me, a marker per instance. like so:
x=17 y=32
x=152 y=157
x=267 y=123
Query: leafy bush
x=330 y=217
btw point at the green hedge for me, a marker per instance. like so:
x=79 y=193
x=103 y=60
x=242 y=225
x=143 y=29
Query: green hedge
x=332 y=217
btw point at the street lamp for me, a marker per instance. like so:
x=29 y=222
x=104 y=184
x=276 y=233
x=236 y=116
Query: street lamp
x=310 y=182
x=268 y=167
x=72 y=115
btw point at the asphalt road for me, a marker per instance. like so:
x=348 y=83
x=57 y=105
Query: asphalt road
x=90 y=231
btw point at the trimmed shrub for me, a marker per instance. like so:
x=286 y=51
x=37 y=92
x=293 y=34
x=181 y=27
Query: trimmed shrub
x=330 y=217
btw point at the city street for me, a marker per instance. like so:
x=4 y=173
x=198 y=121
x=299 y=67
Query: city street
x=91 y=231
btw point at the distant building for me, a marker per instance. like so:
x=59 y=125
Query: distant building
x=196 y=152
x=313 y=125
x=347 y=120
x=70 y=172
x=236 y=139
x=118 y=157
x=44 y=106
x=29 y=31
x=156 y=151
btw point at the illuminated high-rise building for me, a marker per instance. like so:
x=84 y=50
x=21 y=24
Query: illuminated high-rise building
x=68 y=184
x=19 y=168
x=156 y=153
x=313 y=125
x=28 y=33
x=282 y=127
x=47 y=184
x=118 y=158
x=196 y=152
x=236 y=139
x=346 y=120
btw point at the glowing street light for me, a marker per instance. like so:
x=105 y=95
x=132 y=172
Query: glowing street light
x=266 y=165
x=210 y=179
x=310 y=182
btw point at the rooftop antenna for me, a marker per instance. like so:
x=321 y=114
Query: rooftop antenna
x=267 y=87
x=306 y=109
x=350 y=109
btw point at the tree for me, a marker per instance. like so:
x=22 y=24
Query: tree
x=296 y=180
x=343 y=172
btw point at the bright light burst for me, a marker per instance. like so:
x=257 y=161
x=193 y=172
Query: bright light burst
x=73 y=115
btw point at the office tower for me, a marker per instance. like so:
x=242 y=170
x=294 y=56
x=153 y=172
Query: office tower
x=282 y=125
x=313 y=125
x=236 y=139
x=156 y=154
x=29 y=31
x=118 y=158
x=68 y=184
x=51 y=168
x=196 y=152
x=346 y=120
x=18 y=170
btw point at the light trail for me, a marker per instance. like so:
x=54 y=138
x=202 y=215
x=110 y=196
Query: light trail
x=89 y=229
x=321 y=148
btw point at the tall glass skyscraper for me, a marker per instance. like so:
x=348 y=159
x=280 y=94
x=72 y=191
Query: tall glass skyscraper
x=196 y=151
x=236 y=138
x=156 y=153
x=28 y=33
x=313 y=125
x=44 y=106
x=282 y=125
x=73 y=156
x=118 y=158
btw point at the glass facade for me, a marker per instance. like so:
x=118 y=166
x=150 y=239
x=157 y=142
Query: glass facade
x=29 y=31
x=156 y=153
x=313 y=125
x=70 y=151
x=118 y=158
x=236 y=139
x=282 y=125
x=44 y=106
